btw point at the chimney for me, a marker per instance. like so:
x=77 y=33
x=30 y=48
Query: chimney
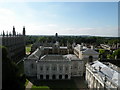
x=100 y=69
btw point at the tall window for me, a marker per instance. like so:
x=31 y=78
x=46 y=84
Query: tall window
x=66 y=68
x=47 y=68
x=54 y=68
x=60 y=68
x=41 y=68
x=32 y=66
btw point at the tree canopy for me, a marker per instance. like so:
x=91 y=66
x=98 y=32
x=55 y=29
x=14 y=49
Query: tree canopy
x=11 y=78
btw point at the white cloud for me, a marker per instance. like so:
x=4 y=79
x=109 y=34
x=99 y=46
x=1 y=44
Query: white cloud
x=8 y=18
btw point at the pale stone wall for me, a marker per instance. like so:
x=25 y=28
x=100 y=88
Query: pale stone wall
x=55 y=68
x=62 y=69
x=77 y=67
x=15 y=46
x=95 y=81
x=30 y=68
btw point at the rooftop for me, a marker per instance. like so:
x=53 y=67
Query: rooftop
x=71 y=57
x=111 y=74
x=54 y=58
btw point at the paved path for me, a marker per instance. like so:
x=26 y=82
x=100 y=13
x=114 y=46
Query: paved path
x=29 y=86
x=80 y=83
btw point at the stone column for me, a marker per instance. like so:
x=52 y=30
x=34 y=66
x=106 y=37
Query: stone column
x=69 y=72
x=44 y=70
x=63 y=76
x=50 y=74
x=95 y=83
x=57 y=75
x=63 y=72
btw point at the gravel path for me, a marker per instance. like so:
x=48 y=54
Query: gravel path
x=29 y=86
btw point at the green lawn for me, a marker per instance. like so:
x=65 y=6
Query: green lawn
x=76 y=83
x=40 y=87
x=28 y=48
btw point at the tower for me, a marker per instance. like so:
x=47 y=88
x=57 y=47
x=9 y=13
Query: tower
x=23 y=30
x=14 y=33
x=3 y=33
x=56 y=37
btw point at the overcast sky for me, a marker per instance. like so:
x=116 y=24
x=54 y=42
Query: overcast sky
x=64 y=18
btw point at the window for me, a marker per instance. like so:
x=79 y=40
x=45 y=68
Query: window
x=47 y=68
x=54 y=68
x=66 y=68
x=41 y=68
x=32 y=66
x=60 y=68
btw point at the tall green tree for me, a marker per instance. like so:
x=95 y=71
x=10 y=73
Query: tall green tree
x=11 y=78
x=116 y=54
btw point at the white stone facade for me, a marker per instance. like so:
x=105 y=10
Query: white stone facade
x=53 y=66
x=85 y=54
x=100 y=76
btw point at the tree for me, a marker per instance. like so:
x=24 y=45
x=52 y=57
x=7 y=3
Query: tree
x=102 y=54
x=116 y=53
x=11 y=78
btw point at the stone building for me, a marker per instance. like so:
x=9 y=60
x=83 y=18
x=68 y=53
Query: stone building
x=52 y=66
x=86 y=54
x=53 y=47
x=15 y=44
x=102 y=76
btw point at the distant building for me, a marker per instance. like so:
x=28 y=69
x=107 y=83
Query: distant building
x=52 y=66
x=15 y=44
x=102 y=76
x=53 y=47
x=86 y=54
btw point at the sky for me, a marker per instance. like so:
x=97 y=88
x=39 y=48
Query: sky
x=64 y=18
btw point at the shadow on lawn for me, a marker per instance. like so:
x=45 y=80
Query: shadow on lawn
x=73 y=84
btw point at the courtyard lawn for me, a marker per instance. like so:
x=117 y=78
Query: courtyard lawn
x=28 y=48
x=77 y=83
x=40 y=88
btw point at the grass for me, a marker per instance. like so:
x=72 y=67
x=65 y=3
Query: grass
x=77 y=83
x=40 y=87
x=26 y=82
x=28 y=48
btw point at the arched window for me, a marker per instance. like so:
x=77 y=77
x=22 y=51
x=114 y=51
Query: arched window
x=41 y=76
x=53 y=76
x=66 y=76
x=60 y=76
x=47 y=76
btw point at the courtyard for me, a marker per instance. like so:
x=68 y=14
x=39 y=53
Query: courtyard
x=76 y=83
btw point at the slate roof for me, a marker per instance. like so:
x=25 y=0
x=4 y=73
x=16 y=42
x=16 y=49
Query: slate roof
x=113 y=75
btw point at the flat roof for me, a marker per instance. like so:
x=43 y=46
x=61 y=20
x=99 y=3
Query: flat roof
x=53 y=58
x=113 y=75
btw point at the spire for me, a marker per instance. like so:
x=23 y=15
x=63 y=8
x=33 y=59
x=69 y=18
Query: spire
x=3 y=33
x=56 y=36
x=23 y=30
x=14 y=33
x=7 y=34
